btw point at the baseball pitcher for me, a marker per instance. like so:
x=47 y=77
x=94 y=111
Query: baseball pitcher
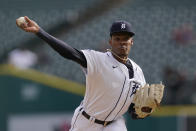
x=114 y=83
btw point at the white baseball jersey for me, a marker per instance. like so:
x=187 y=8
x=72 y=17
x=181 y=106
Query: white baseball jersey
x=109 y=91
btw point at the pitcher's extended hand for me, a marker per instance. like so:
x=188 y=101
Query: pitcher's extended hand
x=29 y=25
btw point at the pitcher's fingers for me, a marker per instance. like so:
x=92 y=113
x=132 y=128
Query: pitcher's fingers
x=151 y=93
x=27 y=19
x=30 y=29
x=145 y=95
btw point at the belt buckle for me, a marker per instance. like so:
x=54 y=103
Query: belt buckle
x=92 y=119
x=105 y=123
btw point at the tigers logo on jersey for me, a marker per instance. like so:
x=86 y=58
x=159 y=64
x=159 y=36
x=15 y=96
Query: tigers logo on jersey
x=134 y=88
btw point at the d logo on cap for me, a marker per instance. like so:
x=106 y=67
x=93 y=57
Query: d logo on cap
x=123 y=26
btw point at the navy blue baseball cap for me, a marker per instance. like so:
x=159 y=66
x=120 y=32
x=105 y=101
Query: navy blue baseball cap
x=121 y=26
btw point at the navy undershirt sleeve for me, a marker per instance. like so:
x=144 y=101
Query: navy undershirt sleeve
x=63 y=48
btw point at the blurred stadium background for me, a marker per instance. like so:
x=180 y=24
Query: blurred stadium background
x=39 y=89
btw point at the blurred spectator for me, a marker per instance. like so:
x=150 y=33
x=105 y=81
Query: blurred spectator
x=193 y=97
x=64 y=127
x=22 y=58
x=184 y=35
x=173 y=81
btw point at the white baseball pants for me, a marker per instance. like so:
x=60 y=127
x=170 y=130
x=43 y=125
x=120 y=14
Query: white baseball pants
x=80 y=123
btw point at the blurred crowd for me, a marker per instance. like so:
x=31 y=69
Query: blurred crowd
x=179 y=89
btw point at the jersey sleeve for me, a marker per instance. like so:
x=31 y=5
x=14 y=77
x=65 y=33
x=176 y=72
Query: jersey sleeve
x=92 y=61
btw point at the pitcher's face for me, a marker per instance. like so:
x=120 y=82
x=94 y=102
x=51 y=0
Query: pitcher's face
x=121 y=44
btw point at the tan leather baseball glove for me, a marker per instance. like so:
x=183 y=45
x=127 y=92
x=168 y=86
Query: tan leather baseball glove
x=147 y=99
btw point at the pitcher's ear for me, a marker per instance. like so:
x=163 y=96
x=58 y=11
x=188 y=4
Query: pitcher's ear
x=131 y=42
x=110 y=41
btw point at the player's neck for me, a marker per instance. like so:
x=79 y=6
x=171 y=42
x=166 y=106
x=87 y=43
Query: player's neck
x=121 y=60
x=118 y=58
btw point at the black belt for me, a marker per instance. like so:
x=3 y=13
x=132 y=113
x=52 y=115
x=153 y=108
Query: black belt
x=104 y=123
